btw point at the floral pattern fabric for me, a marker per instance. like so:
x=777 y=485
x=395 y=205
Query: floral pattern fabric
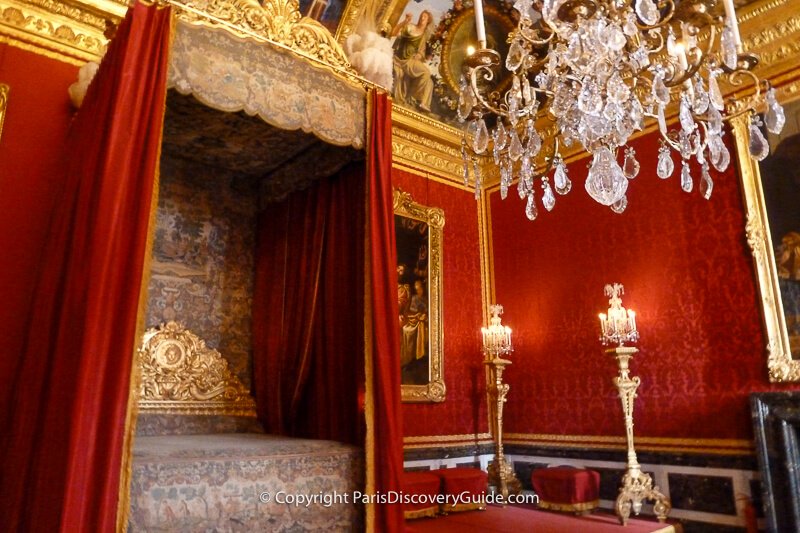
x=222 y=483
x=282 y=89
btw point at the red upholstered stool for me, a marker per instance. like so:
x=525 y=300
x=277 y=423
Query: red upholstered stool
x=567 y=489
x=425 y=486
x=463 y=487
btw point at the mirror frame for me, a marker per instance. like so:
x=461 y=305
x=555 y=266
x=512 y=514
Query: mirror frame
x=780 y=365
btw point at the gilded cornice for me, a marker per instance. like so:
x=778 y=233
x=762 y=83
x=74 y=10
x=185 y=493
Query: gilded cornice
x=426 y=145
x=67 y=30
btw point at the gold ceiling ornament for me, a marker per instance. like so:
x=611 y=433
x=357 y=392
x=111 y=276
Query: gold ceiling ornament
x=598 y=69
x=278 y=21
x=181 y=375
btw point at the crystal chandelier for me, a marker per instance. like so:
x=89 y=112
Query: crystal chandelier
x=596 y=70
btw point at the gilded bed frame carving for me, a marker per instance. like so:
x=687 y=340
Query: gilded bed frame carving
x=434 y=390
x=179 y=374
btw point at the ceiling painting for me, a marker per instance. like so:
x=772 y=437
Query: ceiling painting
x=431 y=39
x=327 y=12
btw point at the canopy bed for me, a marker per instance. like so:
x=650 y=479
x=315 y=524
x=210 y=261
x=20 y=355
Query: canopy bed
x=251 y=113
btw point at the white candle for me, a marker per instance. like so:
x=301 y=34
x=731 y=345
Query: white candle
x=730 y=13
x=602 y=324
x=632 y=320
x=681 y=50
x=479 y=27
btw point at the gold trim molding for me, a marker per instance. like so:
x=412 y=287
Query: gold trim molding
x=4 y=90
x=70 y=29
x=780 y=364
x=426 y=145
x=600 y=442
x=435 y=390
x=181 y=375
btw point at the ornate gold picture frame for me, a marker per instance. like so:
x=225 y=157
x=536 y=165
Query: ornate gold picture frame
x=3 y=104
x=774 y=274
x=418 y=231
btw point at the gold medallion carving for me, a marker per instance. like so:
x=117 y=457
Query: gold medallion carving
x=181 y=375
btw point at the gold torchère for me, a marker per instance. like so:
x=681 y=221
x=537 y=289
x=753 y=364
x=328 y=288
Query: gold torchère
x=496 y=344
x=618 y=327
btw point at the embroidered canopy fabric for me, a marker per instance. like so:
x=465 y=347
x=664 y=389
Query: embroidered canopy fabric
x=284 y=90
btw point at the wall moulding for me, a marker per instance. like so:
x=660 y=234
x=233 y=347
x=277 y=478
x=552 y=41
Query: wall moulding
x=583 y=442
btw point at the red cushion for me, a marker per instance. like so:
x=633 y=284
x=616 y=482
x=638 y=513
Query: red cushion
x=420 y=483
x=566 y=485
x=459 y=480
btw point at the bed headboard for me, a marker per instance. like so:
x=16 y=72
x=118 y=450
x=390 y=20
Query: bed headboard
x=179 y=374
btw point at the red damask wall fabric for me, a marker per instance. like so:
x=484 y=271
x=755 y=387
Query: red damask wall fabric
x=687 y=273
x=464 y=409
x=35 y=127
x=61 y=462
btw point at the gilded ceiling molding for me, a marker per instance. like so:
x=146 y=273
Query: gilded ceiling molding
x=277 y=21
x=68 y=31
x=427 y=146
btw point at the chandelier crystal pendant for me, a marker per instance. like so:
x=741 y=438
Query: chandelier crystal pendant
x=597 y=70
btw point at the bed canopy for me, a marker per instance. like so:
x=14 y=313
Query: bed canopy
x=268 y=95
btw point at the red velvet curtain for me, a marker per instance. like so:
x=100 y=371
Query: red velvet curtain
x=307 y=311
x=63 y=450
x=384 y=424
x=325 y=295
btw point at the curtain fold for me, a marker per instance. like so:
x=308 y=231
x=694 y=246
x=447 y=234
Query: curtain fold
x=63 y=452
x=307 y=346
x=384 y=423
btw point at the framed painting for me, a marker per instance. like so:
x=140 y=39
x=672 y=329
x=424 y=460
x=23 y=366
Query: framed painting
x=418 y=232
x=431 y=39
x=772 y=205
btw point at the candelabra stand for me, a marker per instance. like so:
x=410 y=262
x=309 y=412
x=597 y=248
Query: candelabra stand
x=501 y=475
x=637 y=486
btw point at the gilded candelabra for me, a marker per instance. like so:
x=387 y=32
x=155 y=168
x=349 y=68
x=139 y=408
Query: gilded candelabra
x=496 y=344
x=618 y=327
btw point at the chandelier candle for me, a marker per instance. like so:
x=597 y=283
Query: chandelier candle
x=597 y=71
x=730 y=14
x=480 y=29
x=619 y=325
